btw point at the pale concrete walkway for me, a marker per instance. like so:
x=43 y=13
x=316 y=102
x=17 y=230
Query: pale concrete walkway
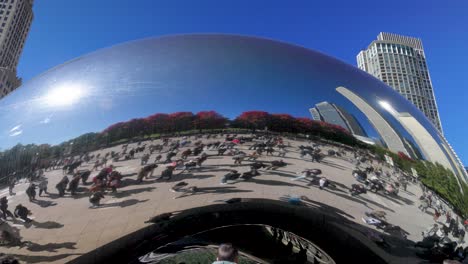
x=70 y=228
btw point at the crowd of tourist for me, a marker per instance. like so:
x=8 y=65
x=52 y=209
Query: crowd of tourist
x=179 y=155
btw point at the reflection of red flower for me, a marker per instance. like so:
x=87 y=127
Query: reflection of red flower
x=404 y=156
x=181 y=121
x=253 y=119
x=209 y=120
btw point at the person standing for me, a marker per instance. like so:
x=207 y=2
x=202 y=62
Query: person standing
x=11 y=184
x=31 y=192
x=73 y=185
x=4 y=208
x=436 y=215
x=43 y=186
x=62 y=185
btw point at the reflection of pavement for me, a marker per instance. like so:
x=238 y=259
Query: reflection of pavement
x=85 y=229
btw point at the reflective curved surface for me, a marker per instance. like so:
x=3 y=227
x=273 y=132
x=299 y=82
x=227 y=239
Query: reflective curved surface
x=116 y=106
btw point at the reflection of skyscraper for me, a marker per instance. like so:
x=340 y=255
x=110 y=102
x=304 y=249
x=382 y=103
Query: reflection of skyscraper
x=17 y=17
x=399 y=61
x=429 y=147
x=336 y=115
x=388 y=135
x=352 y=123
x=315 y=114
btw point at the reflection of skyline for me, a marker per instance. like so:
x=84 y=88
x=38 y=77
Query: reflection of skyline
x=185 y=73
x=334 y=114
x=431 y=150
x=425 y=143
x=388 y=135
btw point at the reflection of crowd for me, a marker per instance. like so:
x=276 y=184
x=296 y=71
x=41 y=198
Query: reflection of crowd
x=176 y=156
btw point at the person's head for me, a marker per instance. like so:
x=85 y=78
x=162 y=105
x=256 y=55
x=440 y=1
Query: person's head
x=227 y=252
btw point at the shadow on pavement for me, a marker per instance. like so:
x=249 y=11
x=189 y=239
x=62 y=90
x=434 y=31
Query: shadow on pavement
x=327 y=209
x=44 y=225
x=42 y=259
x=122 y=204
x=274 y=183
x=50 y=247
x=180 y=177
x=214 y=190
x=124 y=193
x=129 y=182
x=129 y=174
x=43 y=203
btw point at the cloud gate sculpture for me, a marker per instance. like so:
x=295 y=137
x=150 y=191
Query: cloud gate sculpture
x=160 y=150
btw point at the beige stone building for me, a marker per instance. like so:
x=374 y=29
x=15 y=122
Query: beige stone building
x=15 y=20
x=400 y=62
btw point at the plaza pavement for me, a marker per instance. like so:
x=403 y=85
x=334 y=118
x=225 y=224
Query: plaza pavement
x=71 y=228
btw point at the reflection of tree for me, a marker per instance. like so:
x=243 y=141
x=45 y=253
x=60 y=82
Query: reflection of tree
x=19 y=158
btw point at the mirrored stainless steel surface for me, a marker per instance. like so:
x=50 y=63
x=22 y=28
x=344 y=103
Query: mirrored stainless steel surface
x=117 y=100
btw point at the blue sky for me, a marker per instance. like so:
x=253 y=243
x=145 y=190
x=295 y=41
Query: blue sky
x=63 y=30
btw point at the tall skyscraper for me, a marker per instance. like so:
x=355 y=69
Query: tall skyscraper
x=15 y=20
x=399 y=61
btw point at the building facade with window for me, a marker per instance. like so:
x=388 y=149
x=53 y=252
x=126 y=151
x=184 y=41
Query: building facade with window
x=400 y=62
x=15 y=20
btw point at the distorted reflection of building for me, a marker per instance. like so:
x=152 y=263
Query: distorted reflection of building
x=333 y=114
x=431 y=149
x=453 y=155
x=453 y=158
x=388 y=135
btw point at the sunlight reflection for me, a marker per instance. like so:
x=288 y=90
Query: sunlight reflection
x=65 y=95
